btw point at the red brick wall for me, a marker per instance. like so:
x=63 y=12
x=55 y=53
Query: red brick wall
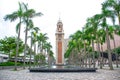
x=59 y=52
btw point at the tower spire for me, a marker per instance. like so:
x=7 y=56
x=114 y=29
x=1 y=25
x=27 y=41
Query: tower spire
x=59 y=17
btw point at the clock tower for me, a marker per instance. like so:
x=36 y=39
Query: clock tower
x=59 y=43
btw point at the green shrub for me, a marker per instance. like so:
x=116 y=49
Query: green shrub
x=9 y=64
x=117 y=50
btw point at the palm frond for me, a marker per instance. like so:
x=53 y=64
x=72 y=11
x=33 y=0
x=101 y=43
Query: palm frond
x=11 y=17
x=37 y=14
x=36 y=29
x=17 y=27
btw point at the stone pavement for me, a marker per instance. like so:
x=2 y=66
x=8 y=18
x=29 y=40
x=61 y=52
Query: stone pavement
x=103 y=74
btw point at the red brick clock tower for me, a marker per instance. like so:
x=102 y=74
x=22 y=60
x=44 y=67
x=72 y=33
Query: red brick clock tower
x=59 y=43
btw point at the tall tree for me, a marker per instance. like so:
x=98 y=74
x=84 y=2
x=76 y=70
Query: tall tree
x=12 y=17
x=41 y=40
x=28 y=15
x=107 y=14
x=91 y=27
x=48 y=47
x=33 y=32
x=114 y=6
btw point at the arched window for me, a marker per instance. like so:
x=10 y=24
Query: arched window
x=59 y=28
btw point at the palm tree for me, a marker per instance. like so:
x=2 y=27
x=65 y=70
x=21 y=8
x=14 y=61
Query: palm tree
x=101 y=39
x=12 y=17
x=113 y=30
x=75 y=45
x=106 y=14
x=72 y=54
x=90 y=39
x=34 y=40
x=33 y=31
x=48 y=47
x=68 y=51
x=91 y=28
x=114 y=6
x=116 y=32
x=41 y=40
x=28 y=15
x=51 y=57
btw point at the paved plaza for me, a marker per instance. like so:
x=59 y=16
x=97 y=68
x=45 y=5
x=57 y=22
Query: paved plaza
x=103 y=74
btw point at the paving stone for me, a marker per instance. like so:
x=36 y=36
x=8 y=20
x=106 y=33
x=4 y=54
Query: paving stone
x=101 y=74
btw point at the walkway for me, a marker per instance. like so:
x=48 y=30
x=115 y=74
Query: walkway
x=103 y=74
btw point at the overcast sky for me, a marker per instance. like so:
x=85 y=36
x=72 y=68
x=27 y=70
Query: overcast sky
x=73 y=14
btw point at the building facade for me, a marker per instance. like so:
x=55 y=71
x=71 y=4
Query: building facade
x=3 y=57
x=66 y=42
x=104 y=46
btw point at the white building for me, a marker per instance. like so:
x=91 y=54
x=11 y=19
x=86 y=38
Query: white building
x=3 y=57
x=66 y=42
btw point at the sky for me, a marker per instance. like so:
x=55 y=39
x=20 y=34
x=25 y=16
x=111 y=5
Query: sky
x=73 y=14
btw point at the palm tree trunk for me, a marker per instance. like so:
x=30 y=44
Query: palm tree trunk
x=93 y=54
x=115 y=44
x=89 y=60
x=17 y=48
x=42 y=48
x=34 y=52
x=109 y=50
x=72 y=58
x=102 y=55
x=26 y=32
x=115 y=52
x=85 y=54
x=80 y=60
x=98 y=45
x=75 y=56
x=38 y=47
x=48 y=57
x=30 y=51
x=48 y=60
